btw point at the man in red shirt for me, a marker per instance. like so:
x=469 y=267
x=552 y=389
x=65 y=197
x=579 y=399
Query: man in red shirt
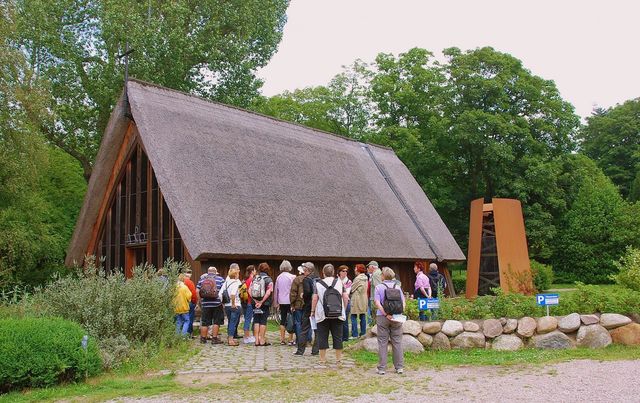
x=193 y=302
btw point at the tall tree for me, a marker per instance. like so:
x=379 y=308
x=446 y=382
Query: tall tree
x=41 y=188
x=210 y=47
x=612 y=138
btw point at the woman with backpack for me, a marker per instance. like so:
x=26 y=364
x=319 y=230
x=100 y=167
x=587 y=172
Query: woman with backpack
x=389 y=301
x=231 y=303
x=247 y=305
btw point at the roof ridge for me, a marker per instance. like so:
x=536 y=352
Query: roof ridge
x=258 y=114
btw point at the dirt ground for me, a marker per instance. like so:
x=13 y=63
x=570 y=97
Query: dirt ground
x=573 y=381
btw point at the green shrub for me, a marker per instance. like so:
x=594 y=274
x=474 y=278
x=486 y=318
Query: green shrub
x=111 y=306
x=593 y=298
x=37 y=352
x=542 y=275
x=459 y=280
x=628 y=270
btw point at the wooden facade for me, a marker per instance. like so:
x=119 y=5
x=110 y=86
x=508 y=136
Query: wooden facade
x=136 y=225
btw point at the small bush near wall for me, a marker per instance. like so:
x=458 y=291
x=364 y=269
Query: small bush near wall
x=542 y=276
x=629 y=270
x=37 y=352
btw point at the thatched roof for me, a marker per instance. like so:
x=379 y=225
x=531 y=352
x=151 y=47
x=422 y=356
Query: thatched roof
x=242 y=184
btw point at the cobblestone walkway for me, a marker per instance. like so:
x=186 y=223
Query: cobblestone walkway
x=249 y=358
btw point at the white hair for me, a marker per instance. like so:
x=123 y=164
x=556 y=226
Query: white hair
x=285 y=266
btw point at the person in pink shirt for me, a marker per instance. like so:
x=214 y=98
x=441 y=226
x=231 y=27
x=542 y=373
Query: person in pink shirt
x=422 y=287
x=282 y=299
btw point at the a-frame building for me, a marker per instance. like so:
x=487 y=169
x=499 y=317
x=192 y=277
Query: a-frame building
x=179 y=176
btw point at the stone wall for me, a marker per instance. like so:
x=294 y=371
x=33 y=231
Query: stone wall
x=548 y=332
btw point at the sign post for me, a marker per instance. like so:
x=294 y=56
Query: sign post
x=547 y=300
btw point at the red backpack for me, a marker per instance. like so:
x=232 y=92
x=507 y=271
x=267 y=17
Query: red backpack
x=209 y=288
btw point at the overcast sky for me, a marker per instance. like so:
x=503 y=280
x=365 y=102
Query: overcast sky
x=591 y=49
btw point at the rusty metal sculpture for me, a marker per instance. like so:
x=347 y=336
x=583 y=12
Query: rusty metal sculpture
x=498 y=255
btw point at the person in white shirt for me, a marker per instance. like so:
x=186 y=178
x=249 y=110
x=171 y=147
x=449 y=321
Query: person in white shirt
x=232 y=307
x=329 y=322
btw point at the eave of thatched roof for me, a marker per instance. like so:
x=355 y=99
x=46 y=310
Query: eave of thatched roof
x=242 y=184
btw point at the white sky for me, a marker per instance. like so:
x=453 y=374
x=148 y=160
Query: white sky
x=591 y=49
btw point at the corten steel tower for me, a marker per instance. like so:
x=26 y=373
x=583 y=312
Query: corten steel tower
x=498 y=254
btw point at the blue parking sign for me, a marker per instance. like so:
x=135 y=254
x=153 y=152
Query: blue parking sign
x=547 y=299
x=428 y=303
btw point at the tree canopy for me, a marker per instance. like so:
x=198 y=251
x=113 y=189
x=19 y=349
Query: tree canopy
x=210 y=48
x=612 y=138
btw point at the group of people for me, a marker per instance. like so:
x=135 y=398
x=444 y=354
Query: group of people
x=310 y=302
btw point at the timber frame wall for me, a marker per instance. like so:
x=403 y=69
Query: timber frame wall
x=134 y=205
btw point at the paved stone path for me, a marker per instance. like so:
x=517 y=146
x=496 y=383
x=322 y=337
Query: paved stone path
x=222 y=358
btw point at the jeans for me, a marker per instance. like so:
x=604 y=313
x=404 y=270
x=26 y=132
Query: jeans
x=248 y=317
x=234 y=318
x=297 y=323
x=182 y=323
x=422 y=314
x=192 y=314
x=345 y=324
x=354 y=324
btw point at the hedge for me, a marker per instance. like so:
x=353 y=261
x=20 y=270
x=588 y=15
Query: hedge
x=40 y=352
x=586 y=299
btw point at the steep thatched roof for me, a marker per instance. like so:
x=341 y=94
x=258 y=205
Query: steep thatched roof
x=242 y=184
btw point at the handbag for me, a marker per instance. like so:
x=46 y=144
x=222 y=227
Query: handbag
x=289 y=325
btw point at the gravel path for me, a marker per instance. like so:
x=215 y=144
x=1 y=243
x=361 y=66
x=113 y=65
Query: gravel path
x=574 y=381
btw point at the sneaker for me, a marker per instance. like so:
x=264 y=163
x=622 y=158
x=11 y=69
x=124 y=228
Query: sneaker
x=380 y=371
x=400 y=371
x=203 y=340
x=298 y=353
x=316 y=353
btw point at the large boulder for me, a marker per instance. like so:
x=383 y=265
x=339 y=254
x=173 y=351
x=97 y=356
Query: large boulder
x=468 y=340
x=613 y=320
x=593 y=336
x=589 y=319
x=471 y=326
x=546 y=324
x=431 y=327
x=492 y=328
x=411 y=344
x=553 y=340
x=510 y=326
x=527 y=326
x=569 y=323
x=370 y=344
x=507 y=342
x=412 y=327
x=452 y=328
x=440 y=342
x=629 y=335
x=425 y=339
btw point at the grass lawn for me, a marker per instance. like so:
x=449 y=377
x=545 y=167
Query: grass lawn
x=134 y=379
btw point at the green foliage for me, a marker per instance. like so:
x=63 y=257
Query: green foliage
x=43 y=352
x=612 y=138
x=109 y=306
x=542 y=275
x=595 y=232
x=628 y=270
x=211 y=48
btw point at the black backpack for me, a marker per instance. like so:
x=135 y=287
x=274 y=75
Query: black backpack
x=332 y=300
x=392 y=300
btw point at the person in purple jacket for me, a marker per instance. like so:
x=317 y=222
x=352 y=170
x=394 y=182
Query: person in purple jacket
x=388 y=329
